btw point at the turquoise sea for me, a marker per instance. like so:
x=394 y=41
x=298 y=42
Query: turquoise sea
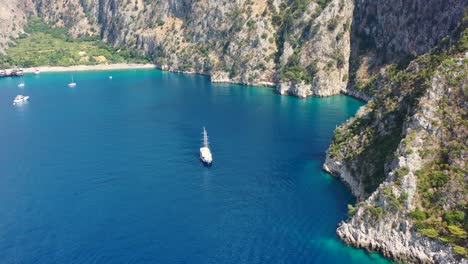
x=108 y=172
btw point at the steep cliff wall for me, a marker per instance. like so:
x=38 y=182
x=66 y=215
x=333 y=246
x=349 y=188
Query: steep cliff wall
x=401 y=28
x=404 y=157
x=388 y=31
x=13 y=18
x=302 y=47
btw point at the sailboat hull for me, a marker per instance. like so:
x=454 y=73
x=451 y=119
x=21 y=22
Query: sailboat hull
x=205 y=155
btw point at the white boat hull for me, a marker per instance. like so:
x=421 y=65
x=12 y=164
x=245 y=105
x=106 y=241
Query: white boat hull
x=21 y=100
x=205 y=155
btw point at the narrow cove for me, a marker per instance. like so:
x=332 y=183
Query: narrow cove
x=108 y=171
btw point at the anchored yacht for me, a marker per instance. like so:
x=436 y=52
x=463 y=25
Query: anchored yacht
x=205 y=152
x=72 y=84
x=20 y=99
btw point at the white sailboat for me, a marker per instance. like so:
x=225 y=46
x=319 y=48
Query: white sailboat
x=72 y=84
x=205 y=152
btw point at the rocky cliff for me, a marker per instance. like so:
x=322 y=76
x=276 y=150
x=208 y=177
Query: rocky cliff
x=403 y=155
x=302 y=47
x=13 y=18
x=385 y=32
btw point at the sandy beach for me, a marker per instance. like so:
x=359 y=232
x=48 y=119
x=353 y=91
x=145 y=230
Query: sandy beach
x=100 y=67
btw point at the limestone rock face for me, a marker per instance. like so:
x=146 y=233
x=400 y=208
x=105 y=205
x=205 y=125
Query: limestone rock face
x=325 y=46
x=380 y=221
x=301 y=47
x=388 y=31
x=399 y=28
x=224 y=38
x=13 y=18
x=379 y=152
x=233 y=41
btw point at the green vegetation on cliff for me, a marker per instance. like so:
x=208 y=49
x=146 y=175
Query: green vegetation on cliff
x=44 y=45
x=429 y=98
x=442 y=212
x=286 y=20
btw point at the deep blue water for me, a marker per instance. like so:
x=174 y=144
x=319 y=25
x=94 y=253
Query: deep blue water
x=108 y=172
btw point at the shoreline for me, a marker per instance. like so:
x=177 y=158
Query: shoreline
x=129 y=66
x=99 y=67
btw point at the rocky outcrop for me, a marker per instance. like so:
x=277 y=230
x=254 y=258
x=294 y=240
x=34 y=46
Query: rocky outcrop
x=392 y=234
x=403 y=245
x=13 y=18
x=397 y=29
x=346 y=171
x=386 y=152
x=320 y=47
x=407 y=121
x=388 y=31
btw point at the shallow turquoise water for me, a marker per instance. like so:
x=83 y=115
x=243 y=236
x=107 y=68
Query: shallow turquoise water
x=108 y=172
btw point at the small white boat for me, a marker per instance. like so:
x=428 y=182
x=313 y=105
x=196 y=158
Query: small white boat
x=72 y=84
x=37 y=71
x=205 y=152
x=110 y=77
x=19 y=99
